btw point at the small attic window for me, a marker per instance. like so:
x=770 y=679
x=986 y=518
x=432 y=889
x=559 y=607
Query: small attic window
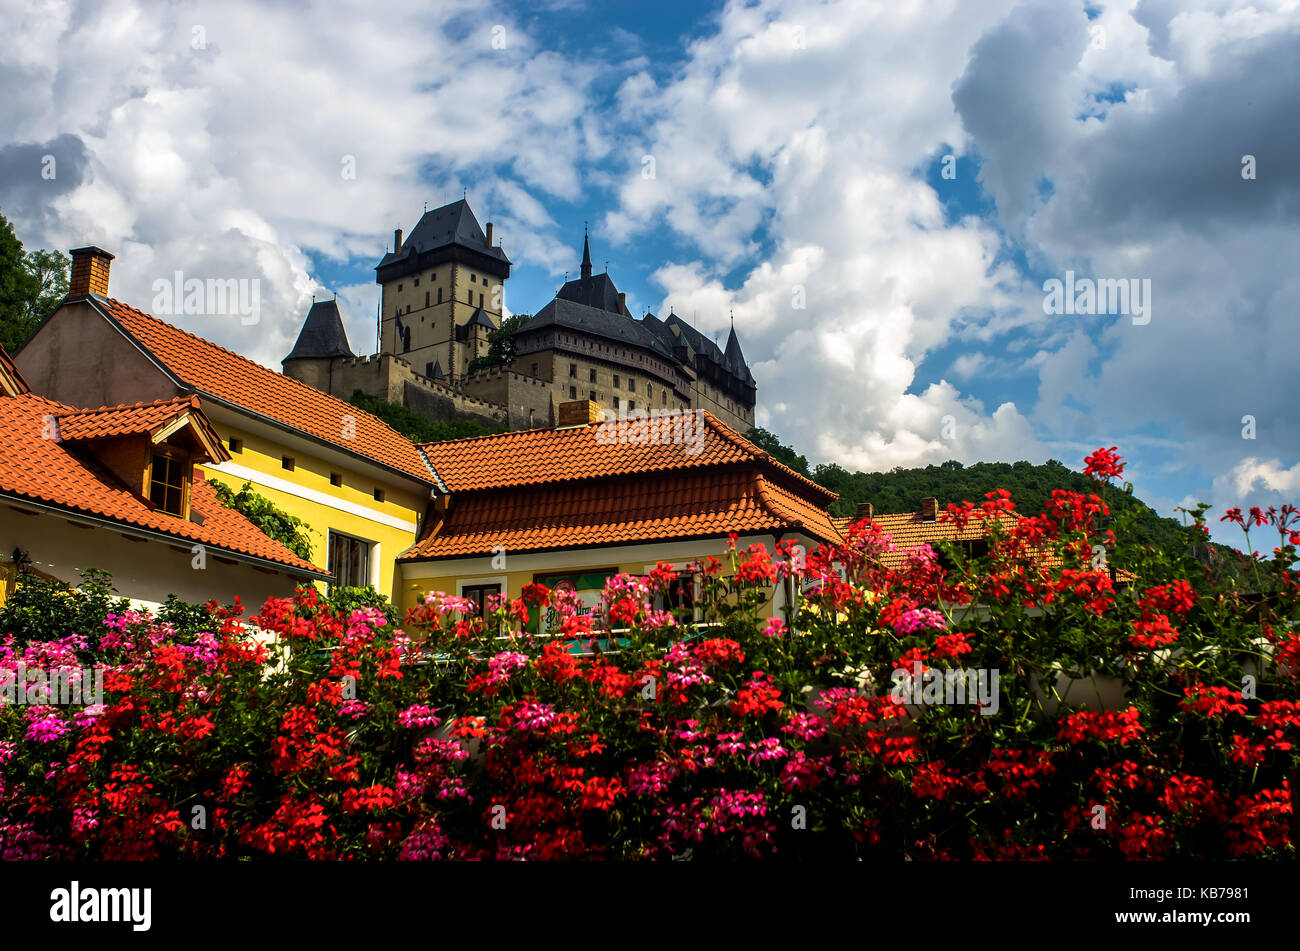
x=236 y=445
x=169 y=480
x=336 y=479
x=286 y=462
x=379 y=495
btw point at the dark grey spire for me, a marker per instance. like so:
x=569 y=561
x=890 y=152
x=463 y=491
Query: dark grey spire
x=322 y=334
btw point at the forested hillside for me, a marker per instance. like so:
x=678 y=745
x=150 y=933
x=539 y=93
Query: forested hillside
x=901 y=490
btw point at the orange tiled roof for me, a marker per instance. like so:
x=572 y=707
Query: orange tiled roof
x=542 y=456
x=695 y=503
x=60 y=475
x=908 y=530
x=225 y=375
x=108 y=422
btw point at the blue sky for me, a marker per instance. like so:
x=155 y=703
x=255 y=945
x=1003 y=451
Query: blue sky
x=798 y=150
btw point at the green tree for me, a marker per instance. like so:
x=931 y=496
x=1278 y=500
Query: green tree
x=501 y=344
x=289 y=530
x=46 y=609
x=772 y=445
x=31 y=286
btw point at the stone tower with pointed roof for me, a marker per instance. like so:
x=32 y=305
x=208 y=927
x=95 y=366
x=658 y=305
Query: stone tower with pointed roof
x=442 y=294
x=442 y=290
x=321 y=339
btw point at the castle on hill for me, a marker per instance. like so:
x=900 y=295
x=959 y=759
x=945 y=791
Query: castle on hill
x=442 y=293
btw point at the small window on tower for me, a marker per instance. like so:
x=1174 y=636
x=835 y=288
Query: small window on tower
x=440 y=295
x=631 y=385
x=616 y=402
x=573 y=369
x=592 y=396
x=417 y=282
x=631 y=405
x=480 y=300
x=426 y=298
x=399 y=287
x=573 y=392
x=616 y=381
x=593 y=376
x=535 y=369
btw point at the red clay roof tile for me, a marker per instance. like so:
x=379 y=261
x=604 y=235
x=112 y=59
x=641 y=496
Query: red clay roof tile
x=59 y=474
x=543 y=456
x=227 y=376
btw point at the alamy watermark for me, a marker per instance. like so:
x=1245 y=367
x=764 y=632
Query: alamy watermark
x=1108 y=296
x=214 y=297
x=926 y=686
x=666 y=427
x=62 y=687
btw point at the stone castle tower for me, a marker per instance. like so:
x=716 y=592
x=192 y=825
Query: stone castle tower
x=441 y=291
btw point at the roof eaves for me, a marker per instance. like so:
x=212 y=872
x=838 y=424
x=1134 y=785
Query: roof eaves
x=187 y=387
x=128 y=528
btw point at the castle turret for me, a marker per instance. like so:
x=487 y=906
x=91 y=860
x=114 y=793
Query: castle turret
x=321 y=340
x=434 y=283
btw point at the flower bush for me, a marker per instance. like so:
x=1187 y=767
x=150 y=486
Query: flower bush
x=707 y=731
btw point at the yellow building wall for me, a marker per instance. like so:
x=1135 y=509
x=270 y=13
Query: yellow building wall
x=313 y=473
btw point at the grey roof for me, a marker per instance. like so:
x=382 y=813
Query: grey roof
x=594 y=291
x=322 y=334
x=450 y=224
x=736 y=359
x=437 y=373
x=603 y=323
x=481 y=317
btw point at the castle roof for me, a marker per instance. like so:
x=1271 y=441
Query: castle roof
x=736 y=359
x=595 y=291
x=452 y=224
x=322 y=334
x=483 y=319
x=573 y=315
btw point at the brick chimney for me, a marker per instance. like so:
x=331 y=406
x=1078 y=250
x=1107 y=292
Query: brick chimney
x=89 y=271
x=397 y=240
x=929 y=510
x=489 y=234
x=577 y=413
x=622 y=302
x=866 y=510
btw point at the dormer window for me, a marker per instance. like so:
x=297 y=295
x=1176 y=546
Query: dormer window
x=169 y=481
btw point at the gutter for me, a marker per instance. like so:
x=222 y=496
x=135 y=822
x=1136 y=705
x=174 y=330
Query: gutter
x=154 y=535
x=93 y=300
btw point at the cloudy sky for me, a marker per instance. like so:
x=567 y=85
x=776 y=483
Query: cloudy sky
x=877 y=190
